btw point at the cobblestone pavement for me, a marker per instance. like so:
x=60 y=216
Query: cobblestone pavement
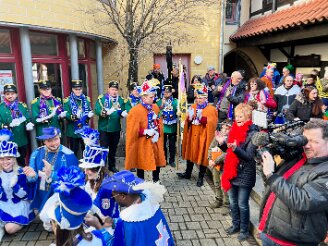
x=187 y=210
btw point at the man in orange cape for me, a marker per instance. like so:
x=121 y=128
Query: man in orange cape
x=144 y=135
x=198 y=133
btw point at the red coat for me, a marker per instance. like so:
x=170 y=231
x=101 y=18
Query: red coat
x=197 y=138
x=141 y=153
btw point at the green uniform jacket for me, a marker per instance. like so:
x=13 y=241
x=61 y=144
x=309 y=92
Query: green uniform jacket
x=128 y=104
x=109 y=123
x=54 y=121
x=70 y=123
x=19 y=132
x=169 y=128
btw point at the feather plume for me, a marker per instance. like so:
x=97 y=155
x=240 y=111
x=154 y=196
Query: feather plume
x=67 y=179
x=154 y=191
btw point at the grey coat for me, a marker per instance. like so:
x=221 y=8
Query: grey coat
x=300 y=212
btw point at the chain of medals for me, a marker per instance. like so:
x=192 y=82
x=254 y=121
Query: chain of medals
x=52 y=163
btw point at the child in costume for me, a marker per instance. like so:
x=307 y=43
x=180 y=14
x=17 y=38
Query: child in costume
x=216 y=156
x=142 y=221
x=15 y=191
x=67 y=209
x=93 y=163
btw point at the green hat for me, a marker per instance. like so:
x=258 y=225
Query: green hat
x=44 y=84
x=76 y=83
x=113 y=83
x=290 y=67
x=9 y=88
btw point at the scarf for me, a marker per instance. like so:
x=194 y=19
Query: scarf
x=45 y=107
x=222 y=93
x=134 y=100
x=75 y=107
x=230 y=167
x=112 y=102
x=169 y=116
x=151 y=116
x=13 y=107
x=272 y=197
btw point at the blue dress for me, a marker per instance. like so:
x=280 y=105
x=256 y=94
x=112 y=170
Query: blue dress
x=14 y=194
x=64 y=157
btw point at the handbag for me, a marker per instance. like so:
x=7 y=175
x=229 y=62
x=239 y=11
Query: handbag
x=259 y=118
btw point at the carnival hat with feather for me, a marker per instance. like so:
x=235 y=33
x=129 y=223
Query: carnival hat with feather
x=7 y=147
x=89 y=135
x=70 y=203
x=202 y=91
x=94 y=156
x=149 y=87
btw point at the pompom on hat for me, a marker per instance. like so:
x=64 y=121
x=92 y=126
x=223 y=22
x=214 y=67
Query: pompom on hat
x=70 y=203
x=7 y=147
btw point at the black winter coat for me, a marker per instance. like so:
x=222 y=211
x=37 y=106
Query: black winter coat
x=246 y=176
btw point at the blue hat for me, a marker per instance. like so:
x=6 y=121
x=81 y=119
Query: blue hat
x=7 y=148
x=73 y=202
x=89 y=135
x=123 y=181
x=94 y=156
x=49 y=132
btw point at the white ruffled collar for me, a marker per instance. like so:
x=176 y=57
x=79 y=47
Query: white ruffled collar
x=139 y=211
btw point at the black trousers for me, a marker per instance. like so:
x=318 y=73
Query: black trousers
x=110 y=140
x=22 y=151
x=171 y=138
x=141 y=174
x=75 y=144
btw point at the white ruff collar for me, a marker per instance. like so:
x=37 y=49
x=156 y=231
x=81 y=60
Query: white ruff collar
x=139 y=211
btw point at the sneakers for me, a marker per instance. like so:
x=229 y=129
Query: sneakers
x=232 y=230
x=243 y=236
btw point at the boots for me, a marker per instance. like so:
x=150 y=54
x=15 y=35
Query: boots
x=217 y=203
x=200 y=181
x=187 y=173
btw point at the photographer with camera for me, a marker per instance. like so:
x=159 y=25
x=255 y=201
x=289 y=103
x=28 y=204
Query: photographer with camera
x=295 y=205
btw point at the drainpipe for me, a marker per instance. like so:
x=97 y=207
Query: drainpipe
x=274 y=6
x=221 y=57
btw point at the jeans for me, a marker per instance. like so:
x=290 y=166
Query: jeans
x=239 y=198
x=267 y=241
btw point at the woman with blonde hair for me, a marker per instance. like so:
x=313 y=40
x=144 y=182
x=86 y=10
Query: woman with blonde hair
x=239 y=173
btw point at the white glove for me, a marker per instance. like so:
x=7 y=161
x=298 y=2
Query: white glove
x=29 y=126
x=199 y=114
x=63 y=114
x=110 y=111
x=155 y=138
x=91 y=114
x=21 y=193
x=14 y=123
x=149 y=132
x=39 y=120
x=191 y=113
x=124 y=114
x=154 y=116
x=52 y=113
x=78 y=114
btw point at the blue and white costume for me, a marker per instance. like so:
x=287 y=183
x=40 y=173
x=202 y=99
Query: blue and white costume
x=63 y=157
x=14 y=194
x=141 y=223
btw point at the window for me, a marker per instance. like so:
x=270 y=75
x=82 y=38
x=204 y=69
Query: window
x=5 y=47
x=267 y=4
x=43 y=44
x=232 y=12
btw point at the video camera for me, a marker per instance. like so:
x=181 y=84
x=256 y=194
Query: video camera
x=285 y=140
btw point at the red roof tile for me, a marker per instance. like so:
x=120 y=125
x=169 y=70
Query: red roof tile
x=310 y=12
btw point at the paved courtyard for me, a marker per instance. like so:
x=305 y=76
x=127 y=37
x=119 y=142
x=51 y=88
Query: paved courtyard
x=187 y=210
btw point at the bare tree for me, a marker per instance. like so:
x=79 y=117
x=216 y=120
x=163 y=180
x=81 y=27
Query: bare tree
x=150 y=24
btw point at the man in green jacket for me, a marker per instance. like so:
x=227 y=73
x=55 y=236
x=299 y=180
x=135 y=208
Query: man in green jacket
x=78 y=115
x=47 y=110
x=15 y=116
x=110 y=108
x=168 y=106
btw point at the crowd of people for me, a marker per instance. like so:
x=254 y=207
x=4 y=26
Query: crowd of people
x=93 y=202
